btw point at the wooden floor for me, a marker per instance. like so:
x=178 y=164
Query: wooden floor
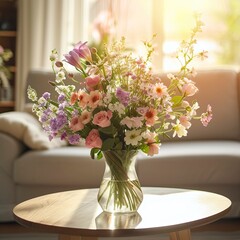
x=224 y=225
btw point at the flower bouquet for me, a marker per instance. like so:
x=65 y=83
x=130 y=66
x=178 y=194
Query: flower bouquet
x=120 y=106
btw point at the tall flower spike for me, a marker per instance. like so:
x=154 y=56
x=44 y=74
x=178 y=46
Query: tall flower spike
x=83 y=51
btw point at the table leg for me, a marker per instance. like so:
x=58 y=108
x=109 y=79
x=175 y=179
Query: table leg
x=181 y=235
x=67 y=237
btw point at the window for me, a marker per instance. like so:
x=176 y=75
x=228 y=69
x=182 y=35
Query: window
x=172 y=20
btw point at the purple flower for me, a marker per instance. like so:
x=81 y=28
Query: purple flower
x=74 y=139
x=83 y=51
x=73 y=58
x=62 y=105
x=45 y=115
x=43 y=118
x=123 y=96
x=80 y=51
x=46 y=95
x=61 y=98
x=63 y=135
x=59 y=122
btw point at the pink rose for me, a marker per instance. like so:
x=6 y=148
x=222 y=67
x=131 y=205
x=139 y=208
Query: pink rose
x=102 y=118
x=93 y=139
x=92 y=81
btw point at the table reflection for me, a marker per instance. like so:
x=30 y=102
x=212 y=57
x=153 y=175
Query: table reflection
x=117 y=220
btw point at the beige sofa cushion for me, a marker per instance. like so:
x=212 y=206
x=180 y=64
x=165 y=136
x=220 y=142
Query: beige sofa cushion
x=24 y=127
x=219 y=88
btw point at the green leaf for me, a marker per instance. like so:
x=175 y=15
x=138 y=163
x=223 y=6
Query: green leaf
x=99 y=155
x=145 y=148
x=93 y=152
x=111 y=130
x=176 y=100
x=108 y=144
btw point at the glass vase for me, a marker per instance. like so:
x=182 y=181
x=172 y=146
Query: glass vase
x=120 y=190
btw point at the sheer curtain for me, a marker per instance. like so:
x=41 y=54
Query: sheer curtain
x=42 y=26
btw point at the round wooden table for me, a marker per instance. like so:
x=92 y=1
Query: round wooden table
x=76 y=214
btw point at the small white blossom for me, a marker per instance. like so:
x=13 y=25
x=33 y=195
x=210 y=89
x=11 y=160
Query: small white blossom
x=117 y=107
x=193 y=110
x=179 y=129
x=60 y=76
x=32 y=94
x=133 y=137
x=108 y=98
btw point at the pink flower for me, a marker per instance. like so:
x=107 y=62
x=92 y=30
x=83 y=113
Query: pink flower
x=85 y=117
x=83 y=98
x=92 y=81
x=134 y=122
x=94 y=99
x=73 y=58
x=74 y=98
x=184 y=120
x=83 y=51
x=153 y=149
x=159 y=90
x=76 y=124
x=151 y=116
x=151 y=142
x=189 y=89
x=207 y=117
x=93 y=139
x=142 y=110
x=103 y=26
x=102 y=118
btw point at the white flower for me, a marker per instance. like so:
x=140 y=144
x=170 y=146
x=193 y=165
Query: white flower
x=149 y=135
x=203 y=55
x=133 y=137
x=193 y=110
x=60 y=76
x=65 y=89
x=117 y=107
x=42 y=101
x=166 y=125
x=179 y=129
x=108 y=98
x=193 y=72
x=54 y=56
x=134 y=122
x=32 y=94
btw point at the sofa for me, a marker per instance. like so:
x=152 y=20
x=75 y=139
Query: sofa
x=207 y=159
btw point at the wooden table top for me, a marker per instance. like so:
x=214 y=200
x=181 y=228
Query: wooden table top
x=163 y=210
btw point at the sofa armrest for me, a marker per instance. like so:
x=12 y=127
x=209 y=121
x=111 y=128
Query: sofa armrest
x=10 y=149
